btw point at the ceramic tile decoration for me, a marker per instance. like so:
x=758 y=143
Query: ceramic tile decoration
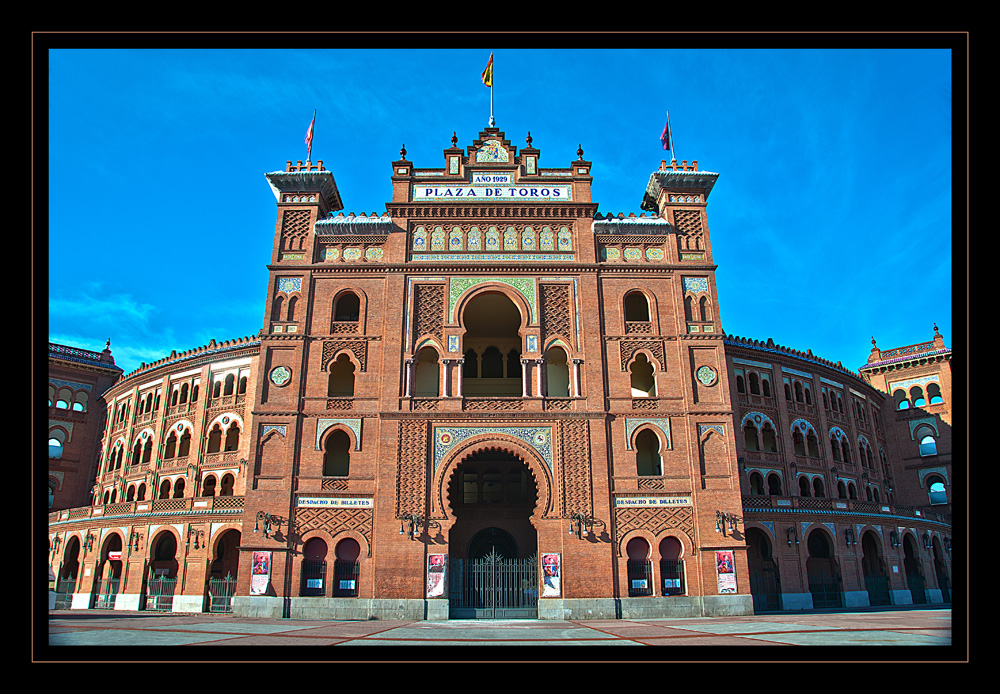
x=538 y=438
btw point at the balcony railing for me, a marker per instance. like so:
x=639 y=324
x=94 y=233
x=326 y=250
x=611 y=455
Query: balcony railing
x=836 y=504
x=201 y=504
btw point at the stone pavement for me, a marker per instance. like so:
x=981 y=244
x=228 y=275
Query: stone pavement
x=863 y=627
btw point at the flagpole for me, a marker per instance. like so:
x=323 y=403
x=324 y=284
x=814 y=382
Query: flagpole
x=670 y=133
x=492 y=122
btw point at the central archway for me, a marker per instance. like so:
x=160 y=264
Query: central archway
x=493 y=544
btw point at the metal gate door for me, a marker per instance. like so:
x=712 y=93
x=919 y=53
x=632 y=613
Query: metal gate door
x=765 y=586
x=220 y=593
x=160 y=594
x=494 y=588
x=104 y=594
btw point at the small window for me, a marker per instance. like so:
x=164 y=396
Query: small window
x=937 y=493
x=636 y=307
x=928 y=446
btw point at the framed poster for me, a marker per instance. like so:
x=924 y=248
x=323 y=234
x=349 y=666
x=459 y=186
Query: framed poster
x=435 y=575
x=260 y=573
x=551 y=575
x=725 y=570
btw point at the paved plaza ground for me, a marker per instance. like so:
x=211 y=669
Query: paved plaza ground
x=134 y=635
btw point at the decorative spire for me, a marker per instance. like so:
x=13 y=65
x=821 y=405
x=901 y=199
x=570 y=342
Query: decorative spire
x=579 y=152
x=402 y=152
x=936 y=333
x=528 y=139
x=454 y=139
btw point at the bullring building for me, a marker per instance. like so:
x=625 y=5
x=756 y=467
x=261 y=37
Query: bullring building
x=494 y=401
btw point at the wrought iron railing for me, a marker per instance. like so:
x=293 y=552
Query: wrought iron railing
x=640 y=578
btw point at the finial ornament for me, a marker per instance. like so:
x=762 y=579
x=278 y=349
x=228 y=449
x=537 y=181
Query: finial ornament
x=579 y=151
x=528 y=139
x=454 y=138
x=936 y=329
x=402 y=152
x=873 y=341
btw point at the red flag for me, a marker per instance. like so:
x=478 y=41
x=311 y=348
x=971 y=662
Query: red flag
x=665 y=135
x=487 y=76
x=309 y=132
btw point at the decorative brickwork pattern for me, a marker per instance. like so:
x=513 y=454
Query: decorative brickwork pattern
x=294 y=229
x=689 y=230
x=428 y=310
x=576 y=480
x=630 y=347
x=334 y=521
x=653 y=520
x=411 y=468
x=358 y=347
x=555 y=311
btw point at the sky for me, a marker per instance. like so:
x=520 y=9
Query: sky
x=830 y=222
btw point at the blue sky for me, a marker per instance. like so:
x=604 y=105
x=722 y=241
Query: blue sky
x=831 y=220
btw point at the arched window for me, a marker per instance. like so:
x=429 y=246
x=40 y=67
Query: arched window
x=179 y=488
x=754 y=383
x=809 y=400
x=130 y=494
x=292 y=301
x=774 y=484
x=165 y=489
x=215 y=439
x=230 y=384
x=638 y=569
x=705 y=309
x=835 y=445
x=276 y=308
x=492 y=366
x=934 y=393
x=756 y=484
x=740 y=386
x=170 y=448
x=80 y=401
x=208 y=486
x=812 y=444
x=803 y=486
x=928 y=445
x=899 y=397
x=470 y=367
x=173 y=397
x=636 y=307
x=647 y=459
x=788 y=392
x=798 y=392
x=185 y=446
x=798 y=444
x=184 y=393
x=347 y=308
x=242 y=387
x=556 y=373
x=140 y=494
x=937 y=493
x=147 y=451
x=337 y=455
x=642 y=379
x=818 y=490
x=513 y=364
x=232 y=437
x=841 y=490
x=768 y=439
x=765 y=386
x=689 y=307
x=427 y=379
x=227 y=485
x=750 y=437
x=917 y=396
x=217 y=389
x=341 y=383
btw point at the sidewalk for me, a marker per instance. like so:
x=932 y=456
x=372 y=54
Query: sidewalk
x=863 y=627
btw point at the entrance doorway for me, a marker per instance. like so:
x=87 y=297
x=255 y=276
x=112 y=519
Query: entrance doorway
x=493 y=546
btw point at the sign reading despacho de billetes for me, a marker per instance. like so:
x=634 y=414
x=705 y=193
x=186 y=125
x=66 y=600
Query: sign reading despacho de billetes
x=638 y=501
x=331 y=502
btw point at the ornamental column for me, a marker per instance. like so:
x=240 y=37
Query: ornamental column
x=538 y=377
x=576 y=377
x=460 y=365
x=525 y=385
x=446 y=378
x=410 y=365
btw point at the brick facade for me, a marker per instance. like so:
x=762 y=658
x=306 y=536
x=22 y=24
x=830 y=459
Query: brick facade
x=491 y=358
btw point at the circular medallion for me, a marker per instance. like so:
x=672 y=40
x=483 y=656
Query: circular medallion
x=706 y=374
x=280 y=375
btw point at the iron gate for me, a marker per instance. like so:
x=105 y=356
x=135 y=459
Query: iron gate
x=104 y=593
x=160 y=594
x=765 y=586
x=826 y=592
x=494 y=588
x=64 y=592
x=878 y=590
x=220 y=593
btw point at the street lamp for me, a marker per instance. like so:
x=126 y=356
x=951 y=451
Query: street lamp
x=268 y=520
x=411 y=520
x=722 y=520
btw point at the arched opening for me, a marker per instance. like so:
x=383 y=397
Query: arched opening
x=346 y=568
x=873 y=569
x=639 y=571
x=314 y=568
x=215 y=439
x=556 y=373
x=765 y=583
x=671 y=567
x=492 y=331
x=341 y=381
x=427 y=376
x=347 y=308
x=825 y=582
x=818 y=489
x=941 y=570
x=774 y=484
x=208 y=486
x=162 y=578
x=227 y=485
x=636 y=307
x=108 y=574
x=647 y=457
x=756 y=484
x=914 y=573
x=642 y=379
x=232 y=437
x=937 y=493
x=68 y=572
x=337 y=454
x=223 y=572
x=803 y=486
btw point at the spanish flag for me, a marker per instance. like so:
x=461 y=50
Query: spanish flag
x=487 y=76
x=309 y=134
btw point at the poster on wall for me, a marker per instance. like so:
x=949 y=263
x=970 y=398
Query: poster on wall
x=551 y=576
x=435 y=575
x=725 y=570
x=260 y=573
